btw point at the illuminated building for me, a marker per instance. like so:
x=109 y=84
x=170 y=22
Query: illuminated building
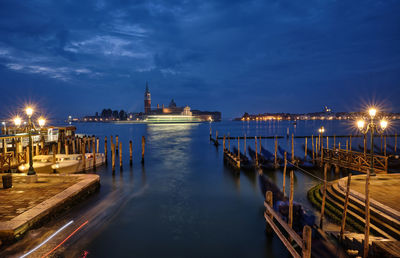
x=147 y=100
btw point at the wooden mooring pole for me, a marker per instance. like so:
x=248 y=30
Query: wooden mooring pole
x=305 y=148
x=367 y=219
x=54 y=161
x=84 y=156
x=307 y=234
x=130 y=153
x=143 y=147
x=94 y=155
x=111 y=142
x=120 y=155
x=350 y=143
x=334 y=141
x=229 y=143
x=345 y=205
x=321 y=221
x=384 y=149
x=284 y=175
x=113 y=157
x=116 y=144
x=312 y=145
x=395 y=142
x=365 y=145
x=255 y=144
x=270 y=202
x=291 y=199
x=327 y=142
x=292 y=148
x=223 y=143
x=105 y=148
x=276 y=152
x=245 y=145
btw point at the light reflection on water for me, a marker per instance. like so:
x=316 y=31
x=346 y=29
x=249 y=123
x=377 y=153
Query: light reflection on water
x=183 y=202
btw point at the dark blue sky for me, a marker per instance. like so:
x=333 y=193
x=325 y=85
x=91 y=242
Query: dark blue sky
x=76 y=57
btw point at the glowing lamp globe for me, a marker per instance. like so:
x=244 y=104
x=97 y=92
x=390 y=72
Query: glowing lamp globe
x=29 y=111
x=360 y=124
x=17 y=121
x=372 y=112
x=41 y=122
x=384 y=124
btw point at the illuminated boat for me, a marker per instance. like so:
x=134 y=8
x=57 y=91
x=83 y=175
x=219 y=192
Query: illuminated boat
x=69 y=164
x=41 y=164
x=172 y=119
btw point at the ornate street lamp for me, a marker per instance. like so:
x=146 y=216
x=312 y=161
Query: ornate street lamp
x=29 y=113
x=321 y=131
x=372 y=127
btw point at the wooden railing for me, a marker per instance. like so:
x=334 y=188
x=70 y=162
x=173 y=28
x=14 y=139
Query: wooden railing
x=304 y=243
x=5 y=160
x=357 y=161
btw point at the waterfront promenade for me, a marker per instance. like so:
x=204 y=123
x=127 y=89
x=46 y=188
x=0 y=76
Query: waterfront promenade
x=26 y=205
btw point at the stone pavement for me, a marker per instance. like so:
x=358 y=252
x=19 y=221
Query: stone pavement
x=26 y=205
x=384 y=188
x=22 y=197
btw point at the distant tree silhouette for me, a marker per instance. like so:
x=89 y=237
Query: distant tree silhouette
x=115 y=114
x=123 y=115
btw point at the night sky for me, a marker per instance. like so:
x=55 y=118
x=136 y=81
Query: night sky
x=77 y=57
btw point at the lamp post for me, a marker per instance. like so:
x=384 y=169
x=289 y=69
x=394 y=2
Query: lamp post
x=29 y=113
x=321 y=131
x=372 y=128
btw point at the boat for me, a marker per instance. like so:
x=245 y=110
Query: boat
x=245 y=163
x=73 y=163
x=262 y=161
x=301 y=216
x=266 y=153
x=41 y=164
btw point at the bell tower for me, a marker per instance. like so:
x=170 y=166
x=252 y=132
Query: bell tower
x=147 y=100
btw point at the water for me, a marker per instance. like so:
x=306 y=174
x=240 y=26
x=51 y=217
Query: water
x=183 y=202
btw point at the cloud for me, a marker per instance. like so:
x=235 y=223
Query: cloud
x=251 y=49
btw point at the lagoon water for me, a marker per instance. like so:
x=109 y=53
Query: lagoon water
x=184 y=202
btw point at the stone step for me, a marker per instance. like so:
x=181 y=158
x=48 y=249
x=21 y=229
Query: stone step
x=382 y=214
x=378 y=218
x=374 y=229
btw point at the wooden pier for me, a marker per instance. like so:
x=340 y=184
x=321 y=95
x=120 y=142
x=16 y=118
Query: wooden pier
x=275 y=222
x=357 y=161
